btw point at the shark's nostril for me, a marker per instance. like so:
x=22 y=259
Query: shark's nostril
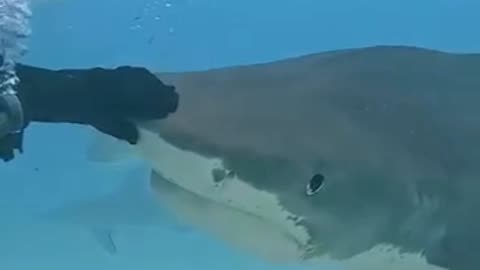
x=220 y=175
x=315 y=184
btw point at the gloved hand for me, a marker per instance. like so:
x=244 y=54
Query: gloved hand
x=108 y=99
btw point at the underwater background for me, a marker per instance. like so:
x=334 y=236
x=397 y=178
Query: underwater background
x=177 y=35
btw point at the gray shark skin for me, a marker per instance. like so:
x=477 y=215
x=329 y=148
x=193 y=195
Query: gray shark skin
x=394 y=130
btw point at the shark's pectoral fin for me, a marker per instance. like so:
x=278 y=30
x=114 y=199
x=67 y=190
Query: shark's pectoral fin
x=104 y=237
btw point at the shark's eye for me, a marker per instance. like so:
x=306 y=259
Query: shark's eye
x=315 y=184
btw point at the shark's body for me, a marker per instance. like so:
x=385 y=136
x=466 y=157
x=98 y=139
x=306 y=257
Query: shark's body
x=393 y=130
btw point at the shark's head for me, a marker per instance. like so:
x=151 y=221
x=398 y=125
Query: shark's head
x=345 y=152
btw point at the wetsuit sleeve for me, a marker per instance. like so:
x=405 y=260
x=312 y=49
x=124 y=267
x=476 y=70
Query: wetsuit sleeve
x=107 y=99
x=83 y=95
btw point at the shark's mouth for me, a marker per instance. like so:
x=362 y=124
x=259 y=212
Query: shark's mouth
x=208 y=179
x=205 y=194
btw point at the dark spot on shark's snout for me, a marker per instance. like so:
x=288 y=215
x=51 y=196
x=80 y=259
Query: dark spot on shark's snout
x=220 y=175
x=315 y=184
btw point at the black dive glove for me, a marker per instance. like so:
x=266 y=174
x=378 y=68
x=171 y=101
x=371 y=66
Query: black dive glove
x=107 y=99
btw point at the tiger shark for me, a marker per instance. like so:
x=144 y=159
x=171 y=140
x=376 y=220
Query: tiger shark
x=341 y=156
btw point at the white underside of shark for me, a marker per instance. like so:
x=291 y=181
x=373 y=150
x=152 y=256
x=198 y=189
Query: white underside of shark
x=234 y=211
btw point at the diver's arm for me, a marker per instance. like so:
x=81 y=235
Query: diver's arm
x=107 y=99
x=82 y=95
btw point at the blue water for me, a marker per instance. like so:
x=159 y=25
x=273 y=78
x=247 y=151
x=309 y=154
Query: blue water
x=188 y=34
